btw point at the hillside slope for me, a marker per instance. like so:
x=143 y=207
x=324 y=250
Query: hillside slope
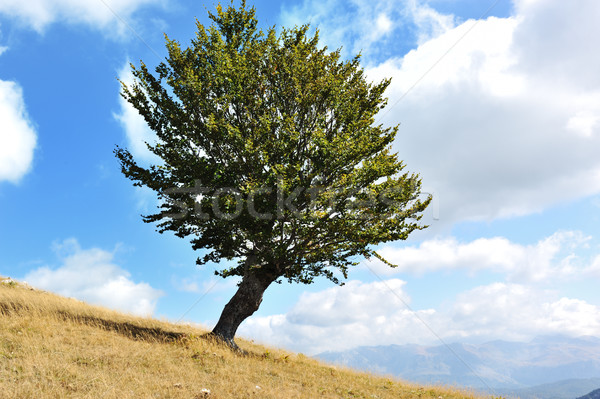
x=54 y=347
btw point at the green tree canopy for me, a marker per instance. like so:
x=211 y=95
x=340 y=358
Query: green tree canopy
x=270 y=156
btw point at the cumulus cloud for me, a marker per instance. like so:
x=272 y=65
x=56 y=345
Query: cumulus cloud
x=136 y=129
x=96 y=13
x=90 y=275
x=506 y=123
x=17 y=136
x=518 y=312
x=339 y=318
x=553 y=42
x=363 y=314
x=550 y=258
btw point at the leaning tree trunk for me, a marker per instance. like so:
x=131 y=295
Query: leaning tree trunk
x=243 y=304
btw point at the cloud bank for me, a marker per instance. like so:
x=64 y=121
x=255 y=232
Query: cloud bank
x=366 y=314
x=508 y=122
x=553 y=257
x=90 y=275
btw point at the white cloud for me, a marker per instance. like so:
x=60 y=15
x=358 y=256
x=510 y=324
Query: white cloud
x=340 y=318
x=97 y=13
x=519 y=312
x=507 y=122
x=429 y=22
x=553 y=42
x=363 y=314
x=17 y=136
x=366 y=27
x=136 y=128
x=383 y=23
x=551 y=257
x=90 y=275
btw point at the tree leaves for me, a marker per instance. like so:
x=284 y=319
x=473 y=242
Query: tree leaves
x=282 y=126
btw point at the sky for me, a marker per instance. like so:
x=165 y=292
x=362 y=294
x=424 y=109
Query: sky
x=499 y=110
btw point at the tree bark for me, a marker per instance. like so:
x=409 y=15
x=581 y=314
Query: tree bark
x=243 y=304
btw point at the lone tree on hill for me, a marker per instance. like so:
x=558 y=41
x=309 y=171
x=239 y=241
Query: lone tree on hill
x=270 y=157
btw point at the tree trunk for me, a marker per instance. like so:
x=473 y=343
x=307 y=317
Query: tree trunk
x=243 y=304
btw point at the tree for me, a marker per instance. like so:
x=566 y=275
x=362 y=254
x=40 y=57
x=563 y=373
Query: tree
x=270 y=156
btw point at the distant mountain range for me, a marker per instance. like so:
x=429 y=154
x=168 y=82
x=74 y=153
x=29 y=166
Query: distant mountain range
x=506 y=367
x=564 y=389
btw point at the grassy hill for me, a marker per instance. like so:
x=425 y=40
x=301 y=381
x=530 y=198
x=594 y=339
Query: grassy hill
x=54 y=347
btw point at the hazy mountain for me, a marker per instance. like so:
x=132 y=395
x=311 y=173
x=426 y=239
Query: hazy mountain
x=497 y=364
x=592 y=395
x=565 y=389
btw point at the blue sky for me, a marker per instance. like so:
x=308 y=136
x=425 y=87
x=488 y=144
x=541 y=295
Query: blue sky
x=499 y=113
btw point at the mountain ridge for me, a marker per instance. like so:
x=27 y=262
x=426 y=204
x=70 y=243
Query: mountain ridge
x=493 y=364
x=564 y=389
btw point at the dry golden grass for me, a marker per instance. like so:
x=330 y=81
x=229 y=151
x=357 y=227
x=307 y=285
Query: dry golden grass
x=54 y=347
